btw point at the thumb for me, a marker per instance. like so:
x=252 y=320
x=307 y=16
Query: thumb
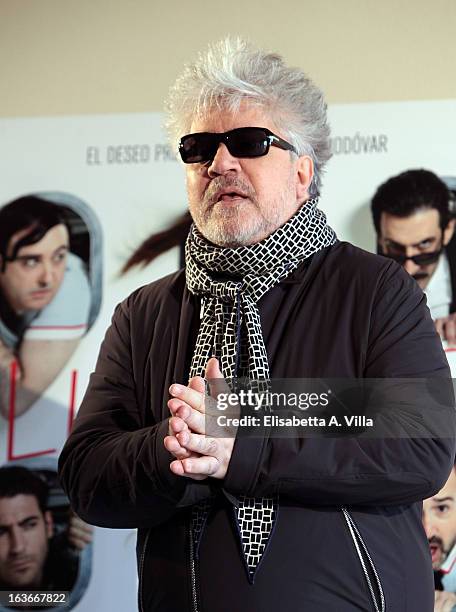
x=214 y=376
x=213 y=369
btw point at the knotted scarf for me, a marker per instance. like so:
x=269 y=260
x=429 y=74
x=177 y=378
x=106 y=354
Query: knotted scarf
x=230 y=282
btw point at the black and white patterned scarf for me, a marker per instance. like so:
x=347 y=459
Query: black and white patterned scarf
x=230 y=283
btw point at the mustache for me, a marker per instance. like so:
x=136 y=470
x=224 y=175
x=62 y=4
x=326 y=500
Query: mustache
x=420 y=276
x=16 y=559
x=437 y=541
x=221 y=183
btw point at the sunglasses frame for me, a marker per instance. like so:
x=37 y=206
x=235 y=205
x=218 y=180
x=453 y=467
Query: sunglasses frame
x=422 y=259
x=270 y=139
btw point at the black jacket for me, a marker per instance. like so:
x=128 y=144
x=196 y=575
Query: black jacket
x=346 y=313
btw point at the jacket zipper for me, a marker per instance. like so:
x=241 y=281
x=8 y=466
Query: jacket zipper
x=357 y=539
x=355 y=535
x=141 y=571
x=192 y=570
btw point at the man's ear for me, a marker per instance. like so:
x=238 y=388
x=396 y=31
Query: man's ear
x=448 y=232
x=49 y=523
x=304 y=176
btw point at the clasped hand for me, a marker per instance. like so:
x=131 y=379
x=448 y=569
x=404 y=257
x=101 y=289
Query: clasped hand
x=197 y=456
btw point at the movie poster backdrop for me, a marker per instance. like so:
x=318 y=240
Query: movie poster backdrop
x=115 y=180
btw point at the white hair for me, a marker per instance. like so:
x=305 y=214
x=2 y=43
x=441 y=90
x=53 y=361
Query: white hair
x=232 y=70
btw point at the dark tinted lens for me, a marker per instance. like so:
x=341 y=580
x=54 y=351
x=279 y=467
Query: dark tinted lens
x=424 y=259
x=401 y=259
x=247 y=142
x=197 y=148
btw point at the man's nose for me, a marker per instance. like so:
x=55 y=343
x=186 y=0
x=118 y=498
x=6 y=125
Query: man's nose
x=17 y=541
x=47 y=274
x=409 y=265
x=429 y=526
x=223 y=162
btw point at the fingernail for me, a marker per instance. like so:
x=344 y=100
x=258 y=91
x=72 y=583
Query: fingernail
x=175 y=389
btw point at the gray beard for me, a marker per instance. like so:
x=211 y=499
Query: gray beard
x=228 y=227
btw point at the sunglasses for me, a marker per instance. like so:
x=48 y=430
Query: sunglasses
x=423 y=259
x=202 y=147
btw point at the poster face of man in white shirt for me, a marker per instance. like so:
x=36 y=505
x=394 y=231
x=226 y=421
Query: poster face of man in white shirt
x=439 y=520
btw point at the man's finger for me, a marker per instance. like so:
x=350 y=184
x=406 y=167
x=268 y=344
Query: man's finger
x=179 y=409
x=193 y=398
x=174 y=404
x=200 y=466
x=440 y=601
x=80 y=535
x=78 y=523
x=439 y=326
x=444 y=601
x=176 y=425
x=198 y=443
x=177 y=468
x=450 y=331
x=193 y=420
x=78 y=543
x=197 y=384
x=172 y=446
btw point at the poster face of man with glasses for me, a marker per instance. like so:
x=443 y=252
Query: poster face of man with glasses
x=414 y=226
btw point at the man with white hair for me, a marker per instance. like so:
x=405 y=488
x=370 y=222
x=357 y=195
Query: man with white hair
x=259 y=522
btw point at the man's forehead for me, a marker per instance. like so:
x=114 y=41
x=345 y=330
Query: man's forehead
x=221 y=119
x=449 y=489
x=15 y=509
x=447 y=492
x=413 y=229
x=55 y=236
